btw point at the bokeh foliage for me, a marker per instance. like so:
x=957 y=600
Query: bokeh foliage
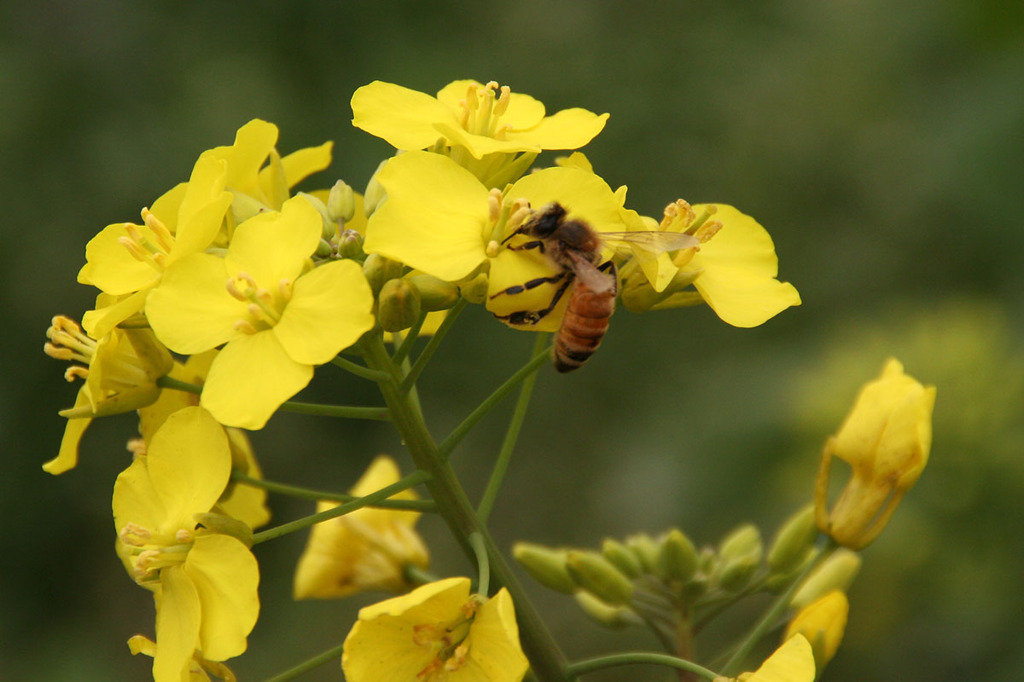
x=880 y=143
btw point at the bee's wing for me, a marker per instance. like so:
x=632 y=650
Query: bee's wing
x=588 y=274
x=649 y=241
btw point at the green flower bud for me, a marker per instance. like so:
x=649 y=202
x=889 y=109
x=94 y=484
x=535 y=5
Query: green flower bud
x=377 y=269
x=350 y=245
x=594 y=573
x=328 y=227
x=375 y=192
x=545 y=565
x=645 y=549
x=837 y=573
x=621 y=556
x=225 y=525
x=793 y=541
x=435 y=294
x=604 y=613
x=739 y=556
x=677 y=557
x=341 y=203
x=399 y=306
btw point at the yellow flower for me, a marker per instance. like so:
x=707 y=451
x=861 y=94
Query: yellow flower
x=436 y=632
x=204 y=583
x=791 y=662
x=441 y=220
x=276 y=319
x=733 y=270
x=822 y=622
x=367 y=549
x=885 y=439
x=120 y=372
x=484 y=119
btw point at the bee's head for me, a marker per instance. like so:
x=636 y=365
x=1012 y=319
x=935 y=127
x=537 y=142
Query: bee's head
x=547 y=219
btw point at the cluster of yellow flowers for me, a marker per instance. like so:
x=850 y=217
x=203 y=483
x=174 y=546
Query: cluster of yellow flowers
x=257 y=285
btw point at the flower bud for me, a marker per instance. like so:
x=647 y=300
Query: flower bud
x=677 y=557
x=604 y=613
x=645 y=549
x=594 y=573
x=885 y=439
x=739 y=556
x=822 y=622
x=793 y=542
x=837 y=573
x=399 y=306
x=244 y=206
x=350 y=245
x=475 y=289
x=225 y=525
x=545 y=565
x=377 y=269
x=327 y=226
x=621 y=556
x=435 y=294
x=341 y=203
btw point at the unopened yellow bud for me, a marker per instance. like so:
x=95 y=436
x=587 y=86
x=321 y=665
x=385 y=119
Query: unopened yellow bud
x=545 y=565
x=341 y=202
x=645 y=549
x=836 y=573
x=350 y=245
x=823 y=623
x=604 y=613
x=244 y=206
x=474 y=290
x=793 y=542
x=885 y=439
x=399 y=306
x=677 y=557
x=377 y=269
x=592 y=572
x=327 y=226
x=621 y=556
x=435 y=294
x=739 y=556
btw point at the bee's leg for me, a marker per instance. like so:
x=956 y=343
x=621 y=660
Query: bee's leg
x=526 y=246
x=535 y=316
x=532 y=284
x=609 y=265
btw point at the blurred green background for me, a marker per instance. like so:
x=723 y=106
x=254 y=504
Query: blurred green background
x=881 y=144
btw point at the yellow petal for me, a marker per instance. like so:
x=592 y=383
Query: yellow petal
x=189 y=464
x=177 y=625
x=329 y=310
x=67 y=456
x=275 y=245
x=494 y=646
x=100 y=322
x=436 y=217
x=300 y=164
x=111 y=268
x=567 y=129
x=791 y=662
x=226 y=576
x=403 y=117
x=739 y=267
x=250 y=379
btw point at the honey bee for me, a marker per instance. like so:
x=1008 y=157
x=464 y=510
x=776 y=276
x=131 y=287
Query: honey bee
x=575 y=247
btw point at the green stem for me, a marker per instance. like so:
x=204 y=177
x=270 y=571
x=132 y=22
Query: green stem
x=343 y=411
x=356 y=368
x=312 y=494
x=509 y=444
x=483 y=564
x=455 y=508
x=489 y=403
x=632 y=658
x=409 y=481
x=435 y=341
x=771 y=617
x=306 y=666
x=178 y=385
x=408 y=340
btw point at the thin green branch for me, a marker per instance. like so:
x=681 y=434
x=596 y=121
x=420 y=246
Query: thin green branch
x=306 y=666
x=409 y=481
x=343 y=411
x=356 y=368
x=771 y=617
x=460 y=431
x=511 y=436
x=312 y=494
x=408 y=339
x=483 y=564
x=633 y=658
x=435 y=341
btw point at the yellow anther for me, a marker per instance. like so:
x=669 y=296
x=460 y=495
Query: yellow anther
x=285 y=287
x=160 y=231
x=244 y=326
x=494 y=205
x=76 y=372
